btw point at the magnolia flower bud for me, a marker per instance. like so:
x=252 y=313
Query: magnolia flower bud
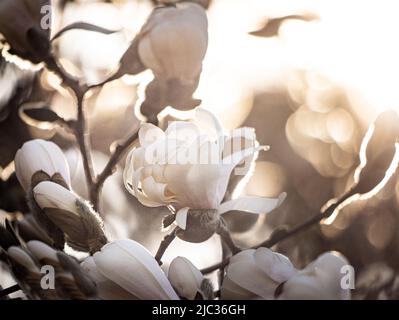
x=81 y=225
x=40 y=160
x=128 y=265
x=185 y=278
x=25 y=24
x=320 y=280
x=70 y=280
x=22 y=258
x=255 y=274
x=172 y=43
x=29 y=229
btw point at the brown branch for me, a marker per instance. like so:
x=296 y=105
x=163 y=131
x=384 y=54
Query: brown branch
x=110 y=166
x=79 y=127
x=9 y=290
x=282 y=234
x=167 y=240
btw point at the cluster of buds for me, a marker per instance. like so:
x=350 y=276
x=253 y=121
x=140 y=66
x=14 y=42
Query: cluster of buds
x=42 y=272
x=43 y=172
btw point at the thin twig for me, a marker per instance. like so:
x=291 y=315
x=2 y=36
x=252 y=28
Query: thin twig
x=9 y=290
x=167 y=240
x=110 y=166
x=83 y=139
x=80 y=125
x=226 y=237
x=281 y=235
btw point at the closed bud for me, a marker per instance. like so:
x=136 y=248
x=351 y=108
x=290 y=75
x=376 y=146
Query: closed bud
x=185 y=278
x=255 y=274
x=25 y=25
x=29 y=229
x=320 y=280
x=22 y=258
x=43 y=253
x=40 y=160
x=128 y=265
x=81 y=225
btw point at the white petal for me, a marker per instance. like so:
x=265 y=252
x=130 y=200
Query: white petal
x=156 y=191
x=231 y=291
x=275 y=265
x=51 y=195
x=246 y=274
x=209 y=123
x=181 y=218
x=132 y=267
x=148 y=134
x=256 y=205
x=185 y=277
x=106 y=289
x=40 y=155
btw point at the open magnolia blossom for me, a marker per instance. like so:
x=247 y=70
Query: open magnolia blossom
x=40 y=156
x=255 y=274
x=124 y=268
x=185 y=278
x=25 y=27
x=320 y=280
x=189 y=166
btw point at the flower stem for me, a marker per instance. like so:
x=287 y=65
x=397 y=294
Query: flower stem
x=9 y=290
x=167 y=240
x=226 y=237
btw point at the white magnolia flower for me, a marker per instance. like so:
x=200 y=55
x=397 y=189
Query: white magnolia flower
x=40 y=155
x=18 y=18
x=128 y=265
x=190 y=165
x=255 y=274
x=174 y=40
x=185 y=278
x=320 y=280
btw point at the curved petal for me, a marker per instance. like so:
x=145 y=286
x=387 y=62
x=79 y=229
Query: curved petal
x=106 y=289
x=132 y=267
x=185 y=277
x=51 y=195
x=247 y=275
x=275 y=265
x=148 y=134
x=256 y=205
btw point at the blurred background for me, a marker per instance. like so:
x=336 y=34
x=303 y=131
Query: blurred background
x=310 y=84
